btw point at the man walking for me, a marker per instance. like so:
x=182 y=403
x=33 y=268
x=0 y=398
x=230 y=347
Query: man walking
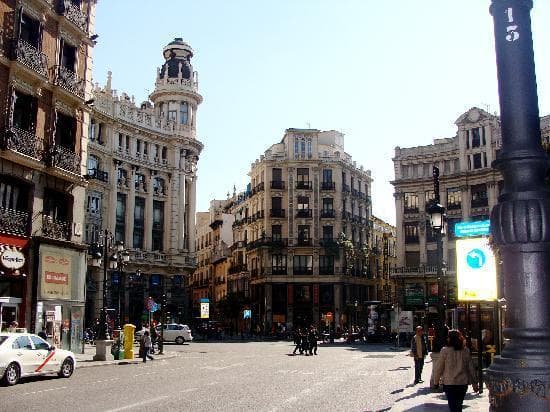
x=419 y=350
x=312 y=337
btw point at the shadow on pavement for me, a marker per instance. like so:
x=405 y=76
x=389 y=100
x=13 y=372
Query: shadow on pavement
x=432 y=407
x=419 y=392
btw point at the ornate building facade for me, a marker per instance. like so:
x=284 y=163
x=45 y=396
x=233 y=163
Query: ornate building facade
x=469 y=188
x=142 y=171
x=288 y=255
x=45 y=84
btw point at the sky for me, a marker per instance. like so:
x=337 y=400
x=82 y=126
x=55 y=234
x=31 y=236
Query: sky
x=385 y=73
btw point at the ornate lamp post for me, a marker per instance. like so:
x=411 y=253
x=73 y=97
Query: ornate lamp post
x=519 y=380
x=118 y=258
x=437 y=216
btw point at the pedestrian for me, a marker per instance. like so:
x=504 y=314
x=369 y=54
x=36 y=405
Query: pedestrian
x=154 y=337
x=297 y=341
x=456 y=369
x=312 y=338
x=13 y=327
x=43 y=334
x=419 y=350
x=146 y=340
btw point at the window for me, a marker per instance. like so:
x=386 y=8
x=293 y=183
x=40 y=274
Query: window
x=276 y=233
x=22 y=342
x=164 y=153
x=139 y=222
x=412 y=259
x=57 y=205
x=13 y=194
x=93 y=204
x=405 y=171
x=158 y=225
x=411 y=232
x=429 y=196
x=276 y=210
x=39 y=343
x=93 y=165
x=326 y=265
x=302 y=178
x=477 y=161
x=303 y=203
x=296 y=148
x=172 y=115
x=278 y=264
x=411 y=203
x=309 y=149
x=139 y=182
x=120 y=217
x=68 y=56
x=433 y=259
x=24 y=111
x=303 y=235
x=476 y=139
x=328 y=233
x=456 y=165
x=328 y=205
x=447 y=167
x=479 y=195
x=29 y=31
x=158 y=186
x=327 y=175
x=454 y=198
x=427 y=169
x=65 y=131
x=184 y=113
x=303 y=265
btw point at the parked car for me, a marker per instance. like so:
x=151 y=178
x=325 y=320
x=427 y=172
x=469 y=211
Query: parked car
x=175 y=332
x=26 y=354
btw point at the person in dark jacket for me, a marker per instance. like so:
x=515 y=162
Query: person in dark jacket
x=419 y=350
x=312 y=338
x=297 y=341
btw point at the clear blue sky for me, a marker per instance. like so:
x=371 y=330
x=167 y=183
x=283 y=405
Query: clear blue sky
x=386 y=73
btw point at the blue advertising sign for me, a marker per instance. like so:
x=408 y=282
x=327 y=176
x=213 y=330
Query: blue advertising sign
x=247 y=314
x=205 y=300
x=469 y=229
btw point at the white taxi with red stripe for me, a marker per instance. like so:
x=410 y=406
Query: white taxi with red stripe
x=26 y=354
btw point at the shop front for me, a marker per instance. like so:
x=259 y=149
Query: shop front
x=13 y=280
x=61 y=298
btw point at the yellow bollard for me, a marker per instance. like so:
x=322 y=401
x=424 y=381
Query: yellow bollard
x=492 y=350
x=129 y=341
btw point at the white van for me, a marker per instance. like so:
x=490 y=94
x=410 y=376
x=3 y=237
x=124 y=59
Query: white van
x=174 y=332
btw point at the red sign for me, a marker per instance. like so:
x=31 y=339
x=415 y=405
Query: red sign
x=57 y=278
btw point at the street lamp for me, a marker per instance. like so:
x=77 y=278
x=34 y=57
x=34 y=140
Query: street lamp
x=518 y=380
x=114 y=257
x=437 y=217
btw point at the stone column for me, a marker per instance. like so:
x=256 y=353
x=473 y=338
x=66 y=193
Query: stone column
x=466 y=200
x=130 y=205
x=110 y=221
x=191 y=221
x=167 y=243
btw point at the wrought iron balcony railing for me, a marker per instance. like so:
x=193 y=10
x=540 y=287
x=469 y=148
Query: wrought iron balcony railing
x=237 y=269
x=328 y=185
x=304 y=242
x=30 y=56
x=64 y=158
x=277 y=184
x=303 y=213
x=98 y=175
x=277 y=213
x=303 y=185
x=327 y=214
x=23 y=141
x=14 y=222
x=69 y=81
x=55 y=229
x=73 y=13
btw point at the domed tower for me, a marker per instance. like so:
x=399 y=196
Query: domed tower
x=175 y=100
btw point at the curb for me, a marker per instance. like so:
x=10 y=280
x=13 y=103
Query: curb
x=94 y=364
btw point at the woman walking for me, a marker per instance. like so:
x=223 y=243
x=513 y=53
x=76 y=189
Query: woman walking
x=455 y=367
x=147 y=344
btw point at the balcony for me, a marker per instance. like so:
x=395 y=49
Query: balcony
x=278 y=271
x=304 y=242
x=327 y=214
x=29 y=56
x=278 y=242
x=73 y=13
x=303 y=185
x=64 y=158
x=303 y=271
x=306 y=213
x=98 y=175
x=24 y=142
x=14 y=222
x=237 y=269
x=277 y=213
x=55 y=229
x=328 y=186
x=69 y=81
x=263 y=241
x=481 y=202
x=259 y=188
x=277 y=184
x=240 y=244
x=345 y=188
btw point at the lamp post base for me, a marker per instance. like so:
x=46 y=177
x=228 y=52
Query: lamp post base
x=101 y=349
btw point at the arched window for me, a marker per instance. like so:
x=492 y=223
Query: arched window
x=184 y=113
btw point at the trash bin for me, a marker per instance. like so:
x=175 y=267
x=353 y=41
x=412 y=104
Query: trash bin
x=120 y=354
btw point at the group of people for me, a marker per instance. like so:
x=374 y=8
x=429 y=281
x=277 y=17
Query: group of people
x=454 y=367
x=306 y=341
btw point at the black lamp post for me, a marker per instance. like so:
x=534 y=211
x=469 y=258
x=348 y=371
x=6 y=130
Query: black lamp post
x=519 y=380
x=437 y=216
x=116 y=260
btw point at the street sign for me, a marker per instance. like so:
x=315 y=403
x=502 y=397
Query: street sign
x=469 y=229
x=247 y=314
x=205 y=310
x=476 y=270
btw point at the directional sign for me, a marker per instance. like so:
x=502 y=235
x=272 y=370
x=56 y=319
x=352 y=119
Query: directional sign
x=468 y=229
x=476 y=270
x=205 y=310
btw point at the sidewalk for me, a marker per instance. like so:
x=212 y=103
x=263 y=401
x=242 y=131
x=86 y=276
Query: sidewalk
x=86 y=359
x=417 y=398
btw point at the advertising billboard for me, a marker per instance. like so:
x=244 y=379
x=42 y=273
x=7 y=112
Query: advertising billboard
x=476 y=270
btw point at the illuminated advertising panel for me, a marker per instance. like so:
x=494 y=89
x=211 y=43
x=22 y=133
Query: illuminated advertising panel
x=476 y=270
